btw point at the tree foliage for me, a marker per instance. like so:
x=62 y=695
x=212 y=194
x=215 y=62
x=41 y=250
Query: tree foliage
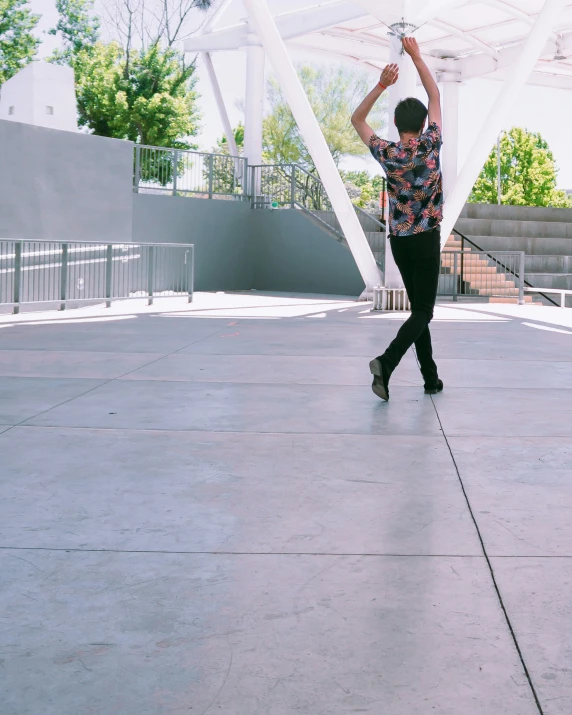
x=148 y=98
x=364 y=189
x=145 y=94
x=528 y=173
x=333 y=93
x=78 y=28
x=18 y=45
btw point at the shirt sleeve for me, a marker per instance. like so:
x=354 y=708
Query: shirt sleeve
x=432 y=138
x=378 y=147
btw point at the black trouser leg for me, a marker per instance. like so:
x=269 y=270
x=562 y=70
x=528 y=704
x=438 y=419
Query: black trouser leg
x=418 y=260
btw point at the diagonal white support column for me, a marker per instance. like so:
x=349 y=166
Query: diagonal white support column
x=233 y=149
x=263 y=22
x=254 y=104
x=520 y=72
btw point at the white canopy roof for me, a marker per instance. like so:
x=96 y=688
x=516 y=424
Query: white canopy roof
x=461 y=39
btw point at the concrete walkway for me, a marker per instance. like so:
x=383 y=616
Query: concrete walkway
x=209 y=511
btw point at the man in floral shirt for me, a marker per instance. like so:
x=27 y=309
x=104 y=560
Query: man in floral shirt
x=415 y=189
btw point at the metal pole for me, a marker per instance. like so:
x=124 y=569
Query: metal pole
x=499 y=171
x=17 y=275
x=191 y=273
x=211 y=176
x=455 y=278
x=245 y=178
x=175 y=170
x=462 y=276
x=108 y=275
x=64 y=276
x=137 y=174
x=151 y=274
x=264 y=25
x=519 y=74
x=293 y=186
x=521 y=280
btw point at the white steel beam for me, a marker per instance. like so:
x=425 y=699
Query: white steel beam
x=264 y=25
x=254 y=104
x=434 y=8
x=233 y=149
x=450 y=151
x=292 y=24
x=481 y=65
x=520 y=73
x=515 y=12
x=466 y=36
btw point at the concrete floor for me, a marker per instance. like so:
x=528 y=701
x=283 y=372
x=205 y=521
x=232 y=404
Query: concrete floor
x=209 y=511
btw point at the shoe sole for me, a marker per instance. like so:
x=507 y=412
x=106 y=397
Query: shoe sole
x=378 y=388
x=434 y=392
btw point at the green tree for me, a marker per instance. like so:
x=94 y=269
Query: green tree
x=148 y=98
x=18 y=45
x=78 y=28
x=227 y=174
x=363 y=188
x=333 y=93
x=528 y=173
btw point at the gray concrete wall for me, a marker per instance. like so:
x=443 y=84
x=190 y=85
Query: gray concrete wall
x=63 y=185
x=220 y=230
x=237 y=248
x=293 y=254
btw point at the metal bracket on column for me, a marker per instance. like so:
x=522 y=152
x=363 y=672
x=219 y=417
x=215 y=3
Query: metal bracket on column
x=394 y=299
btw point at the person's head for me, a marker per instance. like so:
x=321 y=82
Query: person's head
x=410 y=116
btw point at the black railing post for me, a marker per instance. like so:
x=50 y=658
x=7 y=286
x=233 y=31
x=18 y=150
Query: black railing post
x=462 y=277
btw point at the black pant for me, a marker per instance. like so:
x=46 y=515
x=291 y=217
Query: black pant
x=418 y=258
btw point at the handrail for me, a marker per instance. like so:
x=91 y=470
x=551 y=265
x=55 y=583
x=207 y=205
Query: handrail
x=478 y=248
x=188 y=151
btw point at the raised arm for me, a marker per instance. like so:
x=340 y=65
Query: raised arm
x=412 y=48
x=388 y=77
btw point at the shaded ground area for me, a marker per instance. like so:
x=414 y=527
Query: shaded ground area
x=208 y=510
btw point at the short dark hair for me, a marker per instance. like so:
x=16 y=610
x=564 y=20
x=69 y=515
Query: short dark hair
x=410 y=114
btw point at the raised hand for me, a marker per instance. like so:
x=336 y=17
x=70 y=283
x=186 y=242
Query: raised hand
x=390 y=75
x=411 y=47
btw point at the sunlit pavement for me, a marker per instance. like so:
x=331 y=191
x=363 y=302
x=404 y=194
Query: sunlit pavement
x=205 y=509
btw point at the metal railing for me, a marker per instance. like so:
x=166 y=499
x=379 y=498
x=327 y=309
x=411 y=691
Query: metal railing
x=468 y=242
x=290 y=185
x=189 y=173
x=80 y=272
x=498 y=274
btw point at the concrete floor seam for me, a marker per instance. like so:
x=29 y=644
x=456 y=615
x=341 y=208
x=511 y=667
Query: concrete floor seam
x=107 y=382
x=490 y=566
x=240 y=553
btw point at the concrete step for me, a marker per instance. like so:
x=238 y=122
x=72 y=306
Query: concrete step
x=533 y=229
x=548 y=264
x=517 y=213
x=550 y=280
x=531 y=246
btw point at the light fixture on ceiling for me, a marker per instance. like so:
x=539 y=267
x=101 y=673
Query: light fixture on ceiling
x=559 y=55
x=401 y=29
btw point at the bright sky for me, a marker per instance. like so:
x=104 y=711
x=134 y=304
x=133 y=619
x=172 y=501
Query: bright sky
x=539 y=109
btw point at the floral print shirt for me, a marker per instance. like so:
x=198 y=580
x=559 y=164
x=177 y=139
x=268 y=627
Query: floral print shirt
x=414 y=181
